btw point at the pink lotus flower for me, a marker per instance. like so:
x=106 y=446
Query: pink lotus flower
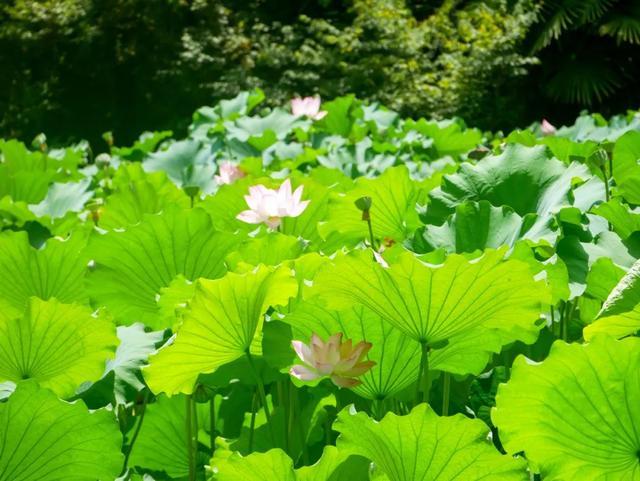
x=339 y=360
x=309 y=106
x=270 y=206
x=228 y=173
x=547 y=128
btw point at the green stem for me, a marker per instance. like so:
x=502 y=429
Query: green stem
x=191 y=455
x=446 y=391
x=261 y=392
x=143 y=410
x=291 y=413
x=252 y=425
x=423 y=374
x=212 y=423
x=373 y=241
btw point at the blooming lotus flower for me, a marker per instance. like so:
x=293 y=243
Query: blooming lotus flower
x=270 y=206
x=341 y=361
x=228 y=173
x=547 y=128
x=309 y=106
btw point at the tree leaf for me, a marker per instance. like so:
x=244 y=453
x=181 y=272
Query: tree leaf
x=219 y=326
x=59 y=345
x=424 y=446
x=133 y=266
x=50 y=439
x=574 y=415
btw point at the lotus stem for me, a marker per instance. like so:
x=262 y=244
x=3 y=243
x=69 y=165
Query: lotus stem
x=143 y=410
x=261 y=392
x=212 y=423
x=446 y=391
x=423 y=375
x=191 y=455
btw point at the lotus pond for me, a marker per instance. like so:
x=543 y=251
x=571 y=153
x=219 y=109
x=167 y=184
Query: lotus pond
x=323 y=292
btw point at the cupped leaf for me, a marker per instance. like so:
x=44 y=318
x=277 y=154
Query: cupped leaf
x=219 y=326
x=424 y=446
x=575 y=414
x=276 y=464
x=49 y=439
x=55 y=270
x=523 y=178
x=137 y=193
x=396 y=355
x=623 y=220
x=59 y=345
x=132 y=267
x=393 y=211
x=132 y=353
x=475 y=226
x=63 y=198
x=434 y=303
x=620 y=313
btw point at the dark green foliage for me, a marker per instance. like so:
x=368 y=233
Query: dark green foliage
x=87 y=66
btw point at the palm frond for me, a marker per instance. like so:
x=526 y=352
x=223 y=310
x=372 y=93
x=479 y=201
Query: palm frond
x=623 y=26
x=583 y=81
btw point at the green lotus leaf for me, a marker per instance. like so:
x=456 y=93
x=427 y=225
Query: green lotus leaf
x=623 y=220
x=580 y=256
x=523 y=178
x=137 y=193
x=220 y=325
x=63 y=198
x=161 y=445
x=424 y=446
x=566 y=149
x=131 y=267
x=270 y=249
x=49 y=439
x=186 y=162
x=620 y=313
x=276 y=464
x=393 y=211
x=449 y=138
x=397 y=357
x=574 y=414
x=59 y=345
x=475 y=226
x=55 y=270
x=434 y=303
x=132 y=353
x=626 y=171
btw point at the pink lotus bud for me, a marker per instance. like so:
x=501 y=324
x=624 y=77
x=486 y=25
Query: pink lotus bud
x=308 y=106
x=228 y=173
x=270 y=206
x=547 y=128
x=341 y=361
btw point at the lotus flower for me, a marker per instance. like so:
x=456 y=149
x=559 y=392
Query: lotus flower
x=228 y=173
x=270 y=206
x=341 y=361
x=309 y=106
x=547 y=128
